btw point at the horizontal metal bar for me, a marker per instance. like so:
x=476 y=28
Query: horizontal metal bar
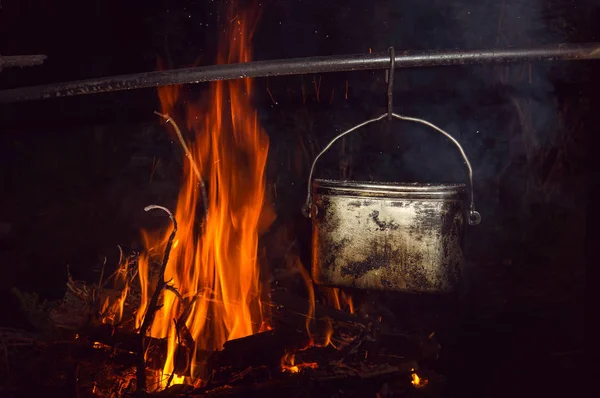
x=21 y=61
x=299 y=66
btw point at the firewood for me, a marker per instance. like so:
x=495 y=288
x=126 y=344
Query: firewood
x=318 y=382
x=261 y=349
x=352 y=338
x=124 y=341
x=289 y=335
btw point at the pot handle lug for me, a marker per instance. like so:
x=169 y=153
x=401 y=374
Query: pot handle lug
x=307 y=210
x=474 y=218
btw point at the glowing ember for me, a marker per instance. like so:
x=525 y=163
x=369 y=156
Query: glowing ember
x=417 y=381
x=288 y=361
x=288 y=364
x=214 y=262
x=99 y=345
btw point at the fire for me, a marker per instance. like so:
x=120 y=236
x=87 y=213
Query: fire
x=310 y=315
x=417 y=381
x=288 y=360
x=339 y=300
x=328 y=333
x=114 y=302
x=348 y=301
x=288 y=364
x=176 y=379
x=214 y=264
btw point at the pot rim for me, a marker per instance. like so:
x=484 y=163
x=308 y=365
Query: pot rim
x=381 y=186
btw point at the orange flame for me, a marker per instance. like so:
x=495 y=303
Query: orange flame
x=288 y=364
x=417 y=381
x=339 y=300
x=214 y=265
x=310 y=315
x=114 y=303
x=347 y=299
x=328 y=333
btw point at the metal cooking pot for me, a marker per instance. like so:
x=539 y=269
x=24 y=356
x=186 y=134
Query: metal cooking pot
x=389 y=236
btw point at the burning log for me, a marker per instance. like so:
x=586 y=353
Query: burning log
x=262 y=350
x=266 y=348
x=289 y=335
x=334 y=349
x=126 y=343
x=285 y=319
x=364 y=382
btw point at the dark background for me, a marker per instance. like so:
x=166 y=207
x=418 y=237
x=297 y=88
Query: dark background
x=77 y=172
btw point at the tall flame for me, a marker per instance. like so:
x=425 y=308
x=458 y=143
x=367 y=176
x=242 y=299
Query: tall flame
x=214 y=262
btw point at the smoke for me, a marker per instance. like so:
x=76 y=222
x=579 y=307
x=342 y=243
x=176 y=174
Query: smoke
x=506 y=117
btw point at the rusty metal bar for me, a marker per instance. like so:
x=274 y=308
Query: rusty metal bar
x=298 y=66
x=21 y=61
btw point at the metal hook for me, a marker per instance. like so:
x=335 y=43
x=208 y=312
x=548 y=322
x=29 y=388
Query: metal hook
x=391 y=82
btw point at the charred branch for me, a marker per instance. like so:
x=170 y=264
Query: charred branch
x=153 y=306
x=188 y=154
x=299 y=66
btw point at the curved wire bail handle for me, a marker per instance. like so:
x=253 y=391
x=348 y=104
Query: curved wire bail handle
x=474 y=216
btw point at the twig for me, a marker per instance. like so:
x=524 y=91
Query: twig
x=102 y=272
x=188 y=154
x=353 y=346
x=180 y=327
x=271 y=95
x=170 y=380
x=96 y=293
x=174 y=290
x=120 y=254
x=303 y=94
x=81 y=293
x=154 y=167
x=317 y=88
x=153 y=305
x=346 y=88
x=133 y=276
x=112 y=276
